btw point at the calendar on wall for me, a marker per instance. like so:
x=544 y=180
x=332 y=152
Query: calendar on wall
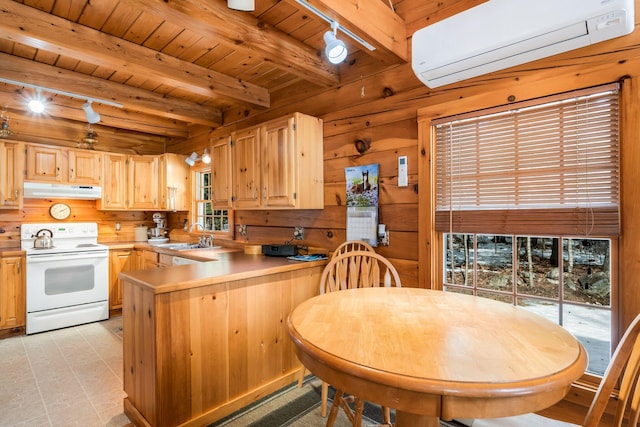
x=362 y=203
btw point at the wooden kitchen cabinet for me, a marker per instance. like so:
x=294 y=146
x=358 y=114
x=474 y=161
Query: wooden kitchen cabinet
x=143 y=182
x=13 y=309
x=278 y=165
x=11 y=174
x=149 y=259
x=129 y=182
x=120 y=260
x=85 y=167
x=221 y=173
x=114 y=184
x=245 y=155
x=46 y=164
x=174 y=178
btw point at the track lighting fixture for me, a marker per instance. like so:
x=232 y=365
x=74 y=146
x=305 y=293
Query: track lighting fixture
x=92 y=116
x=206 y=158
x=191 y=160
x=244 y=5
x=36 y=105
x=336 y=50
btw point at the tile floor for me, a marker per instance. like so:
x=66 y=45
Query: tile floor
x=67 y=377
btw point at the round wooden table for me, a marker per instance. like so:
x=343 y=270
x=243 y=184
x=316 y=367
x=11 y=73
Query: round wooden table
x=432 y=354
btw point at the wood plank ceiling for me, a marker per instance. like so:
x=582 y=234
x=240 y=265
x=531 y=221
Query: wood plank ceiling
x=178 y=63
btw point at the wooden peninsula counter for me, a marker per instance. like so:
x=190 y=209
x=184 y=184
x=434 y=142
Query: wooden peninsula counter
x=204 y=340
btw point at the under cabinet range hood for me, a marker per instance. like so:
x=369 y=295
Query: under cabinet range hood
x=41 y=190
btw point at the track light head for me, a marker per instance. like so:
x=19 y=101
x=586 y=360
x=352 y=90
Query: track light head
x=191 y=160
x=336 y=50
x=92 y=116
x=206 y=158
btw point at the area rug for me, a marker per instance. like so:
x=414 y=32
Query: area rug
x=298 y=407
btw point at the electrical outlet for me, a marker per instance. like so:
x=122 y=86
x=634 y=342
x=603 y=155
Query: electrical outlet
x=298 y=233
x=242 y=230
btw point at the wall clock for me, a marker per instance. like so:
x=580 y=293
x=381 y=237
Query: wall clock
x=60 y=211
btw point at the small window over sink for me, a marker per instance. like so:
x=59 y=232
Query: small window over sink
x=214 y=221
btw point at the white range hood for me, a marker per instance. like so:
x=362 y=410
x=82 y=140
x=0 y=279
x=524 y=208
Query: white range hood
x=41 y=190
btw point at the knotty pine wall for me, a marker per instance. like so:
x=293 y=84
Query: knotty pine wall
x=381 y=108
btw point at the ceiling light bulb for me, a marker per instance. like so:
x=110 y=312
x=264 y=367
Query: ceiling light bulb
x=206 y=158
x=36 y=106
x=191 y=160
x=336 y=50
x=92 y=116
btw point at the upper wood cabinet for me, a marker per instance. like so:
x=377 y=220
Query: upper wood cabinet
x=221 y=173
x=175 y=193
x=245 y=155
x=46 y=164
x=58 y=164
x=114 y=187
x=85 y=167
x=145 y=183
x=278 y=165
x=11 y=174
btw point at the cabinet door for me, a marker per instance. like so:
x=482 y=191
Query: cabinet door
x=278 y=164
x=11 y=173
x=175 y=192
x=221 y=173
x=12 y=292
x=114 y=188
x=119 y=260
x=85 y=167
x=45 y=164
x=246 y=168
x=143 y=182
x=150 y=259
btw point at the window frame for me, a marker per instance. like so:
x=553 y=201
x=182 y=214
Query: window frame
x=194 y=217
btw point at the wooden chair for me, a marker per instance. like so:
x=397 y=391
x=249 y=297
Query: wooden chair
x=623 y=369
x=350 y=270
x=352 y=245
x=344 y=247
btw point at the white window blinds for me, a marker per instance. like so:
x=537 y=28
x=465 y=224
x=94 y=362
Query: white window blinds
x=549 y=167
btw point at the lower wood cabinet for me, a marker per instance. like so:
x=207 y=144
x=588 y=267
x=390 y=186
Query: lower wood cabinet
x=13 y=309
x=120 y=260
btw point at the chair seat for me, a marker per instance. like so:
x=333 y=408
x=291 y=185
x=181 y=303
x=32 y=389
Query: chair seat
x=526 y=420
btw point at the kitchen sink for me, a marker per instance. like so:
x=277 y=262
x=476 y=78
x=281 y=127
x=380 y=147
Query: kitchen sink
x=184 y=246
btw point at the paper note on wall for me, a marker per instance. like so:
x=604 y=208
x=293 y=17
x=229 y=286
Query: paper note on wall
x=362 y=203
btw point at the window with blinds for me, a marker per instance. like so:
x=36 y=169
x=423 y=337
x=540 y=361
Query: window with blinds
x=549 y=167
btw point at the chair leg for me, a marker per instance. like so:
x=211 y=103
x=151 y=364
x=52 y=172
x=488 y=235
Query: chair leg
x=386 y=415
x=358 y=409
x=301 y=379
x=335 y=407
x=324 y=396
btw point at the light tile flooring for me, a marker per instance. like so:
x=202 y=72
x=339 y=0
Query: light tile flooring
x=67 y=377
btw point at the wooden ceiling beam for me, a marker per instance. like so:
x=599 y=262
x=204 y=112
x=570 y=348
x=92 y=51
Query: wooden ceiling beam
x=245 y=33
x=134 y=99
x=32 y=27
x=373 y=21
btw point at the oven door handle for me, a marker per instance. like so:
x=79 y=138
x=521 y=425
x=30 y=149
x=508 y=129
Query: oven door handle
x=66 y=257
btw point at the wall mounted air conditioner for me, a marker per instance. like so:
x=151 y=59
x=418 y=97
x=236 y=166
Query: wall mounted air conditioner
x=503 y=33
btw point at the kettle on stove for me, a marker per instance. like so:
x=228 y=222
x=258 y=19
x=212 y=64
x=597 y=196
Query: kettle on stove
x=42 y=241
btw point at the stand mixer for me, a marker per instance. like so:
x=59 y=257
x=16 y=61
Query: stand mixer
x=159 y=233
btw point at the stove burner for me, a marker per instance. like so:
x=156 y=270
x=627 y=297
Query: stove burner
x=87 y=245
x=43 y=249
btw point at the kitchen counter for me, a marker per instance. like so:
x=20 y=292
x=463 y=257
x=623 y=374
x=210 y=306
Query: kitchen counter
x=203 y=340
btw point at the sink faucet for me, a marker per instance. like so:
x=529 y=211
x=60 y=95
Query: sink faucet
x=204 y=241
